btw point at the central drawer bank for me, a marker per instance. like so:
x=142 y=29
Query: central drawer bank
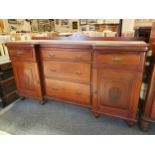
x=104 y=76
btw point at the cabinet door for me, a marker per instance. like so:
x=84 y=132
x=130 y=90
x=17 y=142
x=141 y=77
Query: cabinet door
x=27 y=79
x=153 y=109
x=116 y=92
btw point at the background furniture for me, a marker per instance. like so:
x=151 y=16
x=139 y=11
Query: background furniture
x=148 y=114
x=8 y=92
x=148 y=108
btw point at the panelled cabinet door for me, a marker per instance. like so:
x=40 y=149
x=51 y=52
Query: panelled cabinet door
x=27 y=78
x=115 y=92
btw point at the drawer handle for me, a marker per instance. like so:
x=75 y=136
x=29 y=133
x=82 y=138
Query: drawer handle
x=79 y=92
x=52 y=69
x=51 y=54
x=117 y=59
x=55 y=88
x=78 y=72
x=78 y=56
x=19 y=52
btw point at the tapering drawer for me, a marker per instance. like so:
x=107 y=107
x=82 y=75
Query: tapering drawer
x=132 y=59
x=76 y=55
x=67 y=70
x=69 y=91
x=22 y=52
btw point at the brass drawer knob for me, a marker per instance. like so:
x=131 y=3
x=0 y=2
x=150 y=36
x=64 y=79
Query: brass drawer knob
x=52 y=69
x=79 y=92
x=117 y=59
x=55 y=88
x=51 y=54
x=78 y=72
x=78 y=56
x=19 y=52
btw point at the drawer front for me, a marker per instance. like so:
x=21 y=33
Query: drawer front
x=120 y=59
x=70 y=71
x=22 y=54
x=6 y=74
x=69 y=54
x=5 y=67
x=7 y=86
x=9 y=98
x=70 y=91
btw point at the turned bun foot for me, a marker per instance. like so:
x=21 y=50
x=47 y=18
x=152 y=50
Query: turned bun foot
x=96 y=114
x=144 y=125
x=42 y=102
x=23 y=98
x=130 y=123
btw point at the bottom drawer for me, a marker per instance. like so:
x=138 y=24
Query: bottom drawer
x=69 y=91
x=9 y=98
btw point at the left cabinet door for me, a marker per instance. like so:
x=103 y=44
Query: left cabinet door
x=27 y=79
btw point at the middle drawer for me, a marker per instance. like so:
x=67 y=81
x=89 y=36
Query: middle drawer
x=67 y=70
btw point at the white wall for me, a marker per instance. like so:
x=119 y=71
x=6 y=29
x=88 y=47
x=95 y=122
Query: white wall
x=6 y=26
x=128 y=25
x=25 y=26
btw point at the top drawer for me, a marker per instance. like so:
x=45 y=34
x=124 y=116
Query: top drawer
x=133 y=59
x=83 y=55
x=23 y=53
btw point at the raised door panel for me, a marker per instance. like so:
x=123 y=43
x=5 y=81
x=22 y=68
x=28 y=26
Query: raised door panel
x=27 y=78
x=116 y=92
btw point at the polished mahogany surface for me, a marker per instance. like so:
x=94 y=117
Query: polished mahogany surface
x=103 y=76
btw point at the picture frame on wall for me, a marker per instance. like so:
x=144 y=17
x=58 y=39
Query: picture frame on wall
x=57 y=21
x=65 y=22
x=74 y=25
x=83 y=21
x=12 y=21
x=83 y=28
x=92 y=21
x=91 y=27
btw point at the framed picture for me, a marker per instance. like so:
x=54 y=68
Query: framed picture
x=92 y=21
x=12 y=21
x=57 y=21
x=83 y=21
x=91 y=27
x=65 y=22
x=83 y=28
x=74 y=25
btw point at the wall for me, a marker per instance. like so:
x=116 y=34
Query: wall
x=128 y=25
x=61 y=28
x=25 y=26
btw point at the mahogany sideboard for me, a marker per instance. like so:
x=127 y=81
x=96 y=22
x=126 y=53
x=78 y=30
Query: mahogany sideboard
x=104 y=76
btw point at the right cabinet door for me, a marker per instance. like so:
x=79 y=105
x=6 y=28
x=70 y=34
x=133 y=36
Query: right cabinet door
x=116 y=92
